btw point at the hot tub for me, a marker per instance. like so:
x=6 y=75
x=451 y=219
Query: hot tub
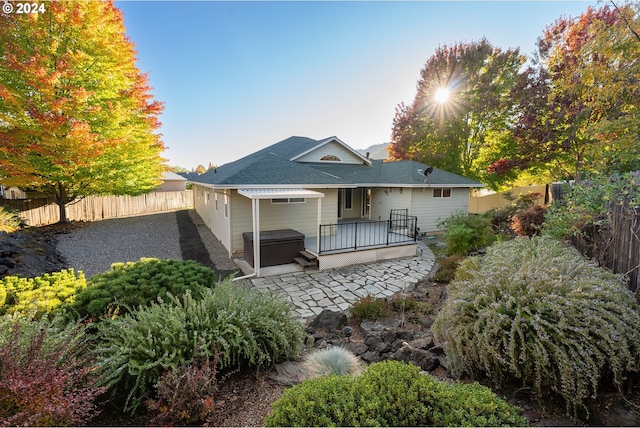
x=277 y=247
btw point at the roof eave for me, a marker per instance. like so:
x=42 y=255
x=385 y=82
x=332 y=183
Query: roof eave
x=277 y=186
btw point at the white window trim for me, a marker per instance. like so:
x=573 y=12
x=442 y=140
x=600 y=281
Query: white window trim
x=350 y=199
x=442 y=189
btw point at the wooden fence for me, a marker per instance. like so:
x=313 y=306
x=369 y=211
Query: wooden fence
x=38 y=212
x=479 y=203
x=616 y=243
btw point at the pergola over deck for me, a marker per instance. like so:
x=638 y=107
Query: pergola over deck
x=257 y=194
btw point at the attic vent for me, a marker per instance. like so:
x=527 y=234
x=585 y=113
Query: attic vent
x=333 y=158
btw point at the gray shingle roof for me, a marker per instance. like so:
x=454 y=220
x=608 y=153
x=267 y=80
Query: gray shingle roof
x=408 y=173
x=271 y=166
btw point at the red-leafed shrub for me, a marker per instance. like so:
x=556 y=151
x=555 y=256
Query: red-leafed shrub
x=185 y=394
x=528 y=222
x=45 y=375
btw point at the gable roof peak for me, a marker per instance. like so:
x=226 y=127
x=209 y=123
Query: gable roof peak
x=325 y=141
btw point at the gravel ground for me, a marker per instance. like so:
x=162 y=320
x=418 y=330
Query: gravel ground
x=95 y=246
x=218 y=254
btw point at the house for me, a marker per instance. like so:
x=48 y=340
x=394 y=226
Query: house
x=189 y=176
x=171 y=182
x=17 y=193
x=343 y=206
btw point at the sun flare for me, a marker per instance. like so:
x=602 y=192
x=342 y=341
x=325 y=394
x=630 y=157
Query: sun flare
x=442 y=95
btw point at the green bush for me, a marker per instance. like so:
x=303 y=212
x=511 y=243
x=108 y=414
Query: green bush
x=535 y=311
x=370 y=308
x=128 y=285
x=390 y=393
x=447 y=268
x=464 y=233
x=586 y=204
x=331 y=361
x=10 y=220
x=42 y=294
x=245 y=326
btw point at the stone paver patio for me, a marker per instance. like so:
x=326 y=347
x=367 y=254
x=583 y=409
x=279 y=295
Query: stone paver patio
x=336 y=289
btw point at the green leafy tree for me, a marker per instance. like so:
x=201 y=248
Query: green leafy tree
x=461 y=113
x=579 y=108
x=76 y=115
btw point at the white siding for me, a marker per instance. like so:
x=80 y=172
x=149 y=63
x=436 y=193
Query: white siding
x=332 y=148
x=356 y=207
x=215 y=220
x=382 y=203
x=430 y=210
x=302 y=217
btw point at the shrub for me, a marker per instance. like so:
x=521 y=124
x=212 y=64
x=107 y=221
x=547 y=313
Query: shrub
x=370 y=308
x=447 y=268
x=529 y=221
x=402 y=302
x=536 y=311
x=131 y=284
x=332 y=361
x=45 y=374
x=390 y=393
x=10 y=220
x=464 y=233
x=245 y=326
x=586 y=204
x=186 y=394
x=41 y=294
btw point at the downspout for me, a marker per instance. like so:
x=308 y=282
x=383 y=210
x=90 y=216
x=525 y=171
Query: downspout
x=244 y=277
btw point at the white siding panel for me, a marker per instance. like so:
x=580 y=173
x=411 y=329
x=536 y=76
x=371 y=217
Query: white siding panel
x=384 y=199
x=430 y=210
x=331 y=148
x=356 y=208
x=214 y=220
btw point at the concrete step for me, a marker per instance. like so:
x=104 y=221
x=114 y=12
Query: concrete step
x=304 y=262
x=307 y=255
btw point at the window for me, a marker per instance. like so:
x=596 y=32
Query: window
x=226 y=206
x=332 y=158
x=206 y=197
x=348 y=199
x=288 y=200
x=215 y=194
x=442 y=193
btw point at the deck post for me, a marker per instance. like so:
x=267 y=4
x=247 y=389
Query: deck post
x=388 y=230
x=355 y=236
x=256 y=236
x=319 y=222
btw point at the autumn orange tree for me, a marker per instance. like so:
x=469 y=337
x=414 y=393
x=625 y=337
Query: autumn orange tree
x=77 y=116
x=579 y=100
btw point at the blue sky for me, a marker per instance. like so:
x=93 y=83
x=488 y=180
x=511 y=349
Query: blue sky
x=238 y=76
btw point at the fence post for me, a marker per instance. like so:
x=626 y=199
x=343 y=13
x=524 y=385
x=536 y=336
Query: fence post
x=320 y=239
x=388 y=230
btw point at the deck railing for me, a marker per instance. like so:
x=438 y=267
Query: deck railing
x=363 y=234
